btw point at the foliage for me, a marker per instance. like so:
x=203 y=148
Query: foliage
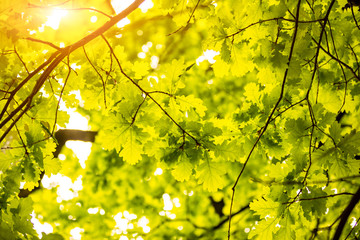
x=261 y=142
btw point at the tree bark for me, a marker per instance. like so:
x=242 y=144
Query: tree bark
x=345 y=214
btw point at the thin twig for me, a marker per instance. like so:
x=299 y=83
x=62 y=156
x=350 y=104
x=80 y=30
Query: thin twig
x=269 y=20
x=60 y=96
x=188 y=21
x=321 y=197
x=137 y=110
x=101 y=78
x=147 y=94
x=69 y=9
x=336 y=59
x=352 y=12
x=23 y=63
x=272 y=182
x=270 y=115
x=13 y=92
x=312 y=116
x=352 y=229
x=44 y=42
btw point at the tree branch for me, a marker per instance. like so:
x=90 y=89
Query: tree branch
x=345 y=214
x=58 y=57
x=270 y=115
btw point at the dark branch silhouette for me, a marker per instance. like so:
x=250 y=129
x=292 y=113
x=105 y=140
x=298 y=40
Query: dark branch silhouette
x=345 y=214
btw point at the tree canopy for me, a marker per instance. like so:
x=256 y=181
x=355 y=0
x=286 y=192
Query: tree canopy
x=208 y=119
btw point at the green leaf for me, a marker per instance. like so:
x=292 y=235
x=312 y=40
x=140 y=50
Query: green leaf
x=189 y=103
x=179 y=98
x=211 y=174
x=52 y=236
x=252 y=93
x=229 y=151
x=286 y=230
x=265 y=229
x=350 y=143
x=225 y=52
x=131 y=150
x=264 y=207
x=314 y=205
x=6 y=159
x=183 y=169
x=335 y=131
x=52 y=166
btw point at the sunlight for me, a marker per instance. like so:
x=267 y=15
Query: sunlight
x=158 y=171
x=122 y=23
x=176 y=202
x=169 y=205
x=154 y=62
x=40 y=227
x=167 y=202
x=143 y=222
x=207 y=55
x=66 y=189
x=188 y=193
x=353 y=223
x=120 y=5
x=146 y=5
x=54 y=19
x=76 y=233
x=81 y=149
x=93 y=19
x=123 y=222
x=93 y=210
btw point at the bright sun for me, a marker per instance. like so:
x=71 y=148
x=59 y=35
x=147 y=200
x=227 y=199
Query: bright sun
x=54 y=19
x=120 y=5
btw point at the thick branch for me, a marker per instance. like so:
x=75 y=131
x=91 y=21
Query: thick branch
x=345 y=214
x=64 y=52
x=64 y=135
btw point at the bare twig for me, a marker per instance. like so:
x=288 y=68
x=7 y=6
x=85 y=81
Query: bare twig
x=44 y=42
x=188 y=21
x=312 y=116
x=352 y=12
x=148 y=94
x=23 y=63
x=315 y=198
x=270 y=115
x=101 y=78
x=61 y=93
x=269 y=20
